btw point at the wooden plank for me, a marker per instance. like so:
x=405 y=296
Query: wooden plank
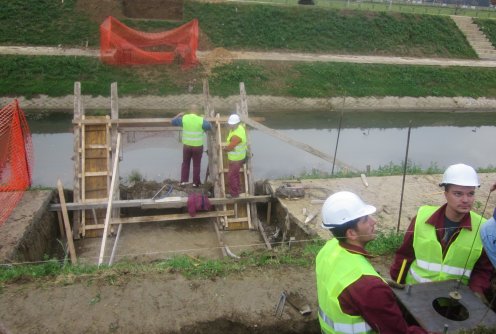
x=109 y=207
x=68 y=231
x=170 y=217
x=249 y=166
x=149 y=122
x=101 y=203
x=76 y=186
x=300 y=145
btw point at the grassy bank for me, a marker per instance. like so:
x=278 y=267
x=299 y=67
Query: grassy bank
x=55 y=76
x=254 y=27
x=301 y=255
x=250 y=27
x=489 y=29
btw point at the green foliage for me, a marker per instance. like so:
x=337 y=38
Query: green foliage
x=488 y=27
x=45 y=22
x=385 y=243
x=262 y=27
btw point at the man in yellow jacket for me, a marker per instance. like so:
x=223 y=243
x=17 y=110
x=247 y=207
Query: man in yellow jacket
x=192 y=137
x=352 y=296
x=236 y=152
x=443 y=242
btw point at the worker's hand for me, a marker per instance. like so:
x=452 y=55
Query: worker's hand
x=393 y=284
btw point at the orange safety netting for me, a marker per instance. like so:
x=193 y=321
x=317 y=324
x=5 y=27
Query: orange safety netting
x=16 y=158
x=121 y=45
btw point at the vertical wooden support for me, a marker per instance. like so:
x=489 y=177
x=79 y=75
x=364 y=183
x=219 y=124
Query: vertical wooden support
x=68 y=232
x=249 y=168
x=78 y=110
x=83 y=175
x=212 y=145
x=220 y=165
x=114 y=115
x=109 y=206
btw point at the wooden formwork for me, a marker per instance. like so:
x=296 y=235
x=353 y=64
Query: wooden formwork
x=94 y=151
x=94 y=145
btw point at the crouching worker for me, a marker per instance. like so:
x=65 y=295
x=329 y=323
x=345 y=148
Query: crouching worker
x=352 y=297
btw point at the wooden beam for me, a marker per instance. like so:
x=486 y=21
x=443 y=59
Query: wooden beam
x=110 y=198
x=170 y=217
x=251 y=122
x=149 y=204
x=68 y=231
x=149 y=122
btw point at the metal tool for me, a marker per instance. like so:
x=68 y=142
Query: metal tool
x=280 y=304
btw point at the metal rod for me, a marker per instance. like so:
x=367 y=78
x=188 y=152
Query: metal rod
x=337 y=142
x=404 y=175
x=112 y=256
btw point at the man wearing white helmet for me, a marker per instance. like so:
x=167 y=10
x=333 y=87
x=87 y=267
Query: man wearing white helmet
x=236 y=152
x=443 y=242
x=352 y=296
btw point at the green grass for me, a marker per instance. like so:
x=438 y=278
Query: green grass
x=45 y=22
x=300 y=255
x=256 y=27
x=383 y=170
x=385 y=243
x=252 y=26
x=489 y=29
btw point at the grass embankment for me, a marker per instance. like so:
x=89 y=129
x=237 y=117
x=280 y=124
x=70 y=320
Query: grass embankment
x=55 y=76
x=302 y=255
x=249 y=27
x=489 y=29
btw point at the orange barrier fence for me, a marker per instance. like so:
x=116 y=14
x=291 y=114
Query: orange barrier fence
x=16 y=158
x=121 y=45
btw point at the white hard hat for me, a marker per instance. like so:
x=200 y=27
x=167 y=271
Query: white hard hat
x=460 y=175
x=233 y=119
x=343 y=207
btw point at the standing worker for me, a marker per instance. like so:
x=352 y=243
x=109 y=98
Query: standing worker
x=236 y=152
x=352 y=297
x=443 y=243
x=488 y=234
x=192 y=137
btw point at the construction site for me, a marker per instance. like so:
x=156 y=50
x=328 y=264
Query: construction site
x=124 y=235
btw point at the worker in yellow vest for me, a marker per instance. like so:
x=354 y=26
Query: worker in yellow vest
x=443 y=242
x=194 y=127
x=352 y=296
x=236 y=153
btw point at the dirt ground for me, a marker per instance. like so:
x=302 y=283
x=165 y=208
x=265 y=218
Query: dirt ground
x=123 y=302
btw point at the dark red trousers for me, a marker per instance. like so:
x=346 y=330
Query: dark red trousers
x=233 y=176
x=191 y=153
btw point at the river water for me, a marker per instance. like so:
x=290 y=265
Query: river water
x=365 y=139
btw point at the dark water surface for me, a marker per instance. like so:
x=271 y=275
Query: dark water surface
x=366 y=138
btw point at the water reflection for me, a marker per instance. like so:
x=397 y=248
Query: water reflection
x=158 y=156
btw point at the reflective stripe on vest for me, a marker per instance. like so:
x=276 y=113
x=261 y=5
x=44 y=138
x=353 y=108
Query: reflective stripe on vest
x=336 y=269
x=460 y=258
x=239 y=152
x=192 y=130
x=360 y=327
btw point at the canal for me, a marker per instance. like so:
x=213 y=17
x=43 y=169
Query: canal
x=365 y=139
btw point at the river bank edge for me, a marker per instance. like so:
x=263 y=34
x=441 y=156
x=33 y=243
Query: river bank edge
x=264 y=103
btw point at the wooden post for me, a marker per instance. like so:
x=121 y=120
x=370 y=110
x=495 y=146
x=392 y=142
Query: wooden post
x=250 y=184
x=110 y=199
x=68 y=231
x=78 y=110
x=114 y=116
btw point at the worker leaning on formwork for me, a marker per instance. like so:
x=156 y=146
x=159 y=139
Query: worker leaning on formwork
x=192 y=137
x=443 y=242
x=236 y=153
x=352 y=296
